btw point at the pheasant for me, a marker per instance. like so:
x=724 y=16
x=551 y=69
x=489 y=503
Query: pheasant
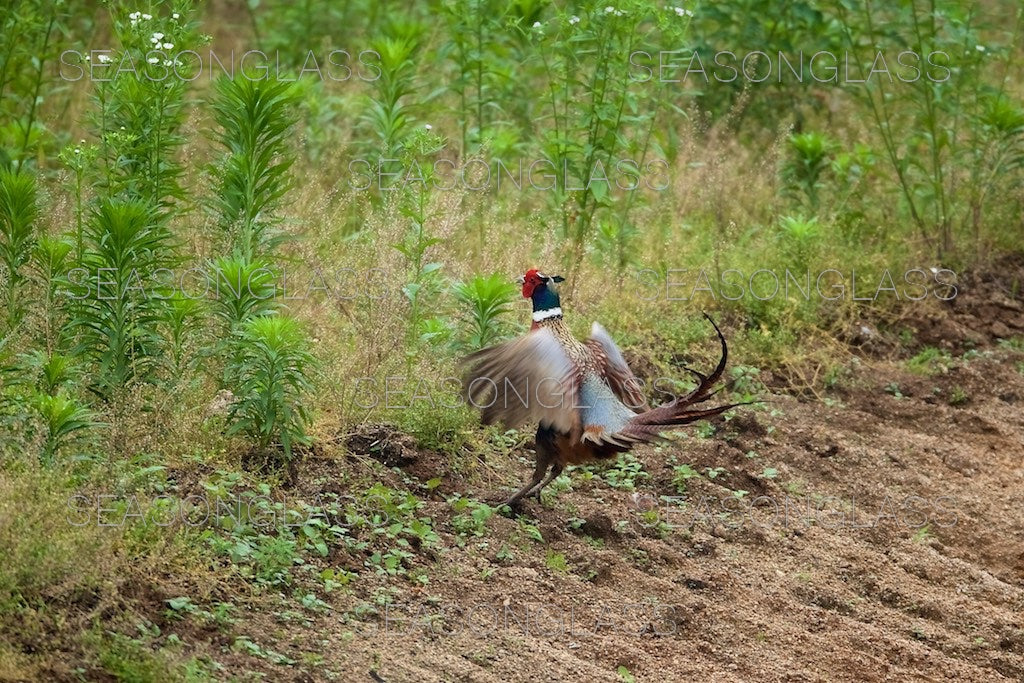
x=587 y=402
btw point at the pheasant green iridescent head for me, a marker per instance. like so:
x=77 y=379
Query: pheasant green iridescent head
x=541 y=288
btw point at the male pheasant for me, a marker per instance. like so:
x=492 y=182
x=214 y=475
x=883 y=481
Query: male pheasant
x=587 y=401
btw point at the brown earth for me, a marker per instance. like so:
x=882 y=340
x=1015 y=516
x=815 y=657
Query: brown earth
x=899 y=557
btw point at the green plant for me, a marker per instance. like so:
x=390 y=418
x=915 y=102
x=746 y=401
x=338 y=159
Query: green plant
x=614 y=243
x=28 y=44
x=389 y=111
x=255 y=119
x=141 y=110
x=714 y=472
x=930 y=361
x=793 y=28
x=115 y=321
x=79 y=159
x=950 y=136
x=423 y=276
x=18 y=212
x=63 y=418
x=182 y=319
x=244 y=289
x=810 y=156
x=596 y=115
x=531 y=530
x=705 y=430
x=472 y=516
x=745 y=382
x=624 y=473
x=488 y=299
x=48 y=373
x=556 y=562
x=273 y=381
x=43 y=395
x=681 y=475
x=798 y=240
x=1012 y=344
x=50 y=264
x=45 y=555
x=475 y=35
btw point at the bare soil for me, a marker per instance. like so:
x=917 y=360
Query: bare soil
x=900 y=556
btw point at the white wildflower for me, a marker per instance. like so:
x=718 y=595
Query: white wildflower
x=152 y=60
x=574 y=20
x=979 y=48
x=168 y=46
x=428 y=126
x=158 y=35
x=609 y=9
x=175 y=16
x=135 y=16
x=147 y=17
x=536 y=24
x=104 y=59
x=77 y=151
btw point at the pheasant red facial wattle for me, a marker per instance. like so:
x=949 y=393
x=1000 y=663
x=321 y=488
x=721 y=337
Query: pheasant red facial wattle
x=533 y=280
x=585 y=399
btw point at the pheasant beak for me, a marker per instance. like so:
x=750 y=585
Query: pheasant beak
x=520 y=280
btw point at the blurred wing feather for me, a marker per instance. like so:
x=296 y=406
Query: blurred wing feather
x=530 y=379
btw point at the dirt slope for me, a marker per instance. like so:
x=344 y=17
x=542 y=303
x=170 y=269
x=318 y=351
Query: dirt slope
x=845 y=584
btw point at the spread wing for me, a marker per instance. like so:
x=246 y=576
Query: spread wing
x=529 y=379
x=614 y=369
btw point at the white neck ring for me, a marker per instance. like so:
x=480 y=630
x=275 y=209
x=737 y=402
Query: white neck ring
x=555 y=312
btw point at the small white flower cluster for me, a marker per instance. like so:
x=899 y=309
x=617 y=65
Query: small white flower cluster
x=680 y=11
x=537 y=24
x=136 y=17
x=573 y=20
x=157 y=37
x=611 y=10
x=979 y=48
x=166 y=62
x=104 y=59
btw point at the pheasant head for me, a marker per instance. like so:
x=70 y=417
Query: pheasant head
x=541 y=289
